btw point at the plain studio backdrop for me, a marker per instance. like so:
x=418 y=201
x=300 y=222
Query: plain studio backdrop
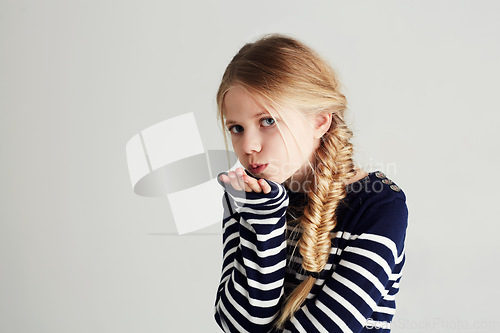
x=81 y=252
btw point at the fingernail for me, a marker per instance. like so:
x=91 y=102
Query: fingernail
x=219 y=178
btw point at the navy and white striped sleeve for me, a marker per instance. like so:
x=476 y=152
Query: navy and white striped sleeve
x=254 y=259
x=359 y=295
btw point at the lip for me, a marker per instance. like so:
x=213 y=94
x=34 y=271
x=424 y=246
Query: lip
x=257 y=168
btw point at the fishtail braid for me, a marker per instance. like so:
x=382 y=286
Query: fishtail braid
x=333 y=167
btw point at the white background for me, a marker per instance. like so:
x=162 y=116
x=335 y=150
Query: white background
x=80 y=252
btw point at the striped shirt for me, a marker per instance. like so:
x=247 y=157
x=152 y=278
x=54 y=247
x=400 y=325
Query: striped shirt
x=261 y=263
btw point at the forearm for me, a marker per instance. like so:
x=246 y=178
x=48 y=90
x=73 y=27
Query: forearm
x=251 y=286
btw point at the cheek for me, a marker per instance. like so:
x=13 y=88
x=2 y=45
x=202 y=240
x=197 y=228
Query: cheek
x=236 y=146
x=301 y=151
x=278 y=147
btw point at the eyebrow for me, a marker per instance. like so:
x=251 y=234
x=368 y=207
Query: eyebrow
x=230 y=122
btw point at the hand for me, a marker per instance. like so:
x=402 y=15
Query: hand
x=240 y=181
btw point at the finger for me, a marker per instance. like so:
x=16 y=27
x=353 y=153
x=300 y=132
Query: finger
x=266 y=188
x=251 y=184
x=224 y=178
x=240 y=174
x=234 y=181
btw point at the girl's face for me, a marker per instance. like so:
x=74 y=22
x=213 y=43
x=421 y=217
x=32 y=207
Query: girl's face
x=264 y=150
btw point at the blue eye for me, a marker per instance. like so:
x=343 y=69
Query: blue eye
x=236 y=129
x=268 y=122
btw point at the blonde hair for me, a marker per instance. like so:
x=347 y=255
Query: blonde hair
x=279 y=71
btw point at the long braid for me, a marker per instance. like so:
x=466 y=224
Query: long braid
x=334 y=165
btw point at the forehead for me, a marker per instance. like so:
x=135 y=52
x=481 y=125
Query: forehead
x=239 y=104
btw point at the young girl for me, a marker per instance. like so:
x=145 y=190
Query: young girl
x=310 y=243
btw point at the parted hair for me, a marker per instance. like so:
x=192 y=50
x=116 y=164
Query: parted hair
x=280 y=70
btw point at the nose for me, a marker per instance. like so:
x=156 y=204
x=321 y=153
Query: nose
x=251 y=143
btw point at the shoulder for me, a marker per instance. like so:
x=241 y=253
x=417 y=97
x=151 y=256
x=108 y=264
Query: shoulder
x=376 y=186
x=375 y=204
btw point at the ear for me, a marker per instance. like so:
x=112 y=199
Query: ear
x=322 y=123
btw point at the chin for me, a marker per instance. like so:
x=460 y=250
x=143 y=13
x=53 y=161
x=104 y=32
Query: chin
x=277 y=179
